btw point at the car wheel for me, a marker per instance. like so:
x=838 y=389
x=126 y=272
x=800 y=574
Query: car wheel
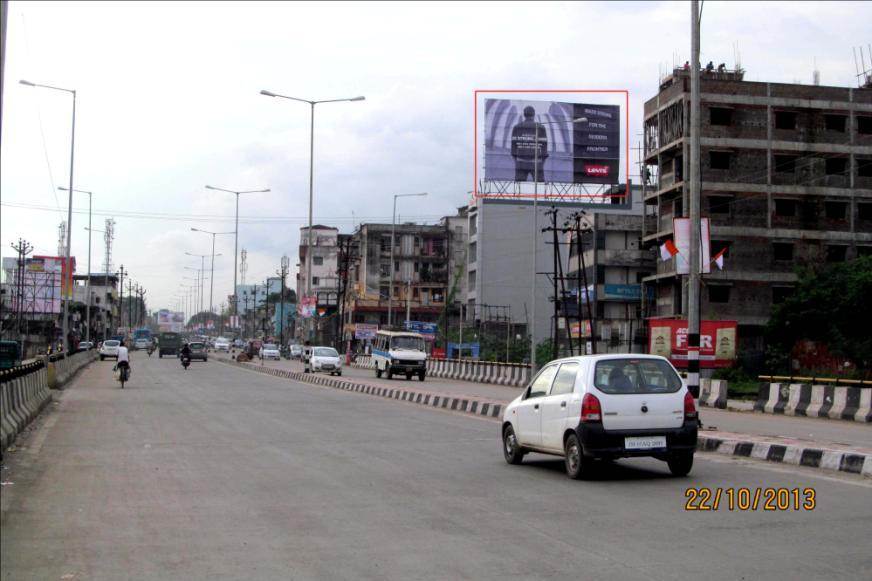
x=390 y=373
x=378 y=372
x=338 y=373
x=680 y=463
x=421 y=376
x=408 y=377
x=102 y=358
x=512 y=451
x=574 y=458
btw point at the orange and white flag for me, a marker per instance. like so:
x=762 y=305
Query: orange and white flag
x=719 y=258
x=668 y=250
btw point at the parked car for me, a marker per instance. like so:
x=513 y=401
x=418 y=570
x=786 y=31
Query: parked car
x=238 y=343
x=604 y=406
x=109 y=348
x=142 y=344
x=86 y=345
x=222 y=344
x=198 y=351
x=270 y=351
x=324 y=359
x=296 y=351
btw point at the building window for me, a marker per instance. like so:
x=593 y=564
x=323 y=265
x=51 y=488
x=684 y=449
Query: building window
x=416 y=267
x=472 y=277
x=315 y=280
x=835 y=122
x=785 y=208
x=719 y=204
x=780 y=294
x=720 y=116
x=785 y=163
x=864 y=124
x=864 y=210
x=836 y=166
x=785 y=120
x=719 y=159
x=836 y=210
x=384 y=269
x=383 y=292
x=396 y=266
x=718 y=293
x=864 y=168
x=386 y=244
x=836 y=253
x=782 y=250
x=414 y=294
x=473 y=251
x=317 y=261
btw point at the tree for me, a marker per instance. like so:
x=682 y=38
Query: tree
x=829 y=305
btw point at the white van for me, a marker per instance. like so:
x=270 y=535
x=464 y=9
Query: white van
x=399 y=353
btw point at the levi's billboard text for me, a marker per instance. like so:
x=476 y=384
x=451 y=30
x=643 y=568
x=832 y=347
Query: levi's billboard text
x=547 y=141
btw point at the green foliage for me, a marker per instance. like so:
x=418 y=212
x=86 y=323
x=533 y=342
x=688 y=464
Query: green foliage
x=831 y=306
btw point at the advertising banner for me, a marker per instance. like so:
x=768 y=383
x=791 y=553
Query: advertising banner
x=307 y=306
x=668 y=338
x=579 y=329
x=38 y=289
x=538 y=140
x=427 y=329
x=681 y=233
x=365 y=331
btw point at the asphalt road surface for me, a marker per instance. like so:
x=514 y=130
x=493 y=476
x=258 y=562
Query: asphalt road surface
x=222 y=473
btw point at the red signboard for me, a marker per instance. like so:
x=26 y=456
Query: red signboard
x=668 y=337
x=438 y=352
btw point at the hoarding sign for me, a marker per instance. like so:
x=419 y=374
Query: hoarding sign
x=623 y=291
x=40 y=285
x=579 y=329
x=427 y=329
x=668 y=338
x=527 y=140
x=365 y=331
x=306 y=307
x=681 y=233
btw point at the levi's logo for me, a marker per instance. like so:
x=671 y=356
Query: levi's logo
x=596 y=170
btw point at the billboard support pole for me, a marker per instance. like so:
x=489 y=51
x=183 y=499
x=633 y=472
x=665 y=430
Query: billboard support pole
x=694 y=254
x=533 y=271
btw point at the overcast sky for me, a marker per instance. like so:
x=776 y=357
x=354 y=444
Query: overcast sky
x=169 y=101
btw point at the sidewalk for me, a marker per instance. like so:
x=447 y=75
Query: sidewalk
x=815 y=442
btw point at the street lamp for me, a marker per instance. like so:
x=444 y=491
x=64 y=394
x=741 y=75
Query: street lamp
x=236 y=238
x=311 y=172
x=65 y=323
x=88 y=280
x=391 y=268
x=202 y=258
x=212 y=274
x=535 y=237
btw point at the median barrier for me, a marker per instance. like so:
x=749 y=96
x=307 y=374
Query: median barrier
x=713 y=393
x=24 y=393
x=818 y=401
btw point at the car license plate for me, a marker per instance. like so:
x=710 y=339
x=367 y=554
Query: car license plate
x=645 y=443
x=327 y=366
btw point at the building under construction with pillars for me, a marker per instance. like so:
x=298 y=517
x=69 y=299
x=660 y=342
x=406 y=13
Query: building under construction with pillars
x=786 y=181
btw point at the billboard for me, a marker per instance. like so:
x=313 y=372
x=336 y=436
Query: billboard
x=306 y=307
x=365 y=331
x=428 y=330
x=39 y=287
x=170 y=321
x=681 y=230
x=538 y=140
x=668 y=338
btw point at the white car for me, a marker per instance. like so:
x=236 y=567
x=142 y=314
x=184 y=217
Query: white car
x=604 y=406
x=142 y=344
x=109 y=348
x=296 y=351
x=324 y=359
x=270 y=351
x=222 y=344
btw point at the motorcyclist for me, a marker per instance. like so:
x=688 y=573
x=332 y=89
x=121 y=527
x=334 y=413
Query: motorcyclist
x=186 y=352
x=123 y=358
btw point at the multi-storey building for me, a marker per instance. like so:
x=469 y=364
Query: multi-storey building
x=104 y=303
x=786 y=180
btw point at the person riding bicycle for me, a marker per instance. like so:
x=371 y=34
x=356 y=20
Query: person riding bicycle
x=123 y=358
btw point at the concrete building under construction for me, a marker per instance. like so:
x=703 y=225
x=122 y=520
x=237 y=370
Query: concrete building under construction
x=786 y=180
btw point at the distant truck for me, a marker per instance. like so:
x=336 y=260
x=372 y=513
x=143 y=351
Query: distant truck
x=169 y=344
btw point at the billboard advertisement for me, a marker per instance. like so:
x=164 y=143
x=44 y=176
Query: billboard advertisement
x=39 y=288
x=170 y=321
x=365 y=331
x=539 y=140
x=306 y=307
x=428 y=330
x=668 y=338
x=681 y=230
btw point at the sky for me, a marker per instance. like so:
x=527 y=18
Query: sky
x=168 y=101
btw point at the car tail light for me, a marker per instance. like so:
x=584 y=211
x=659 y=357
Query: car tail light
x=689 y=406
x=591 y=411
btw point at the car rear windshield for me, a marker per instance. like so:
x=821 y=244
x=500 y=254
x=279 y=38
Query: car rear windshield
x=326 y=352
x=633 y=376
x=270 y=346
x=112 y=343
x=195 y=345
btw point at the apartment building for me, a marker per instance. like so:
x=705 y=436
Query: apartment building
x=786 y=180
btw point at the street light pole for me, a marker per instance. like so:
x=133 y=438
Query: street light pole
x=236 y=237
x=88 y=280
x=311 y=176
x=212 y=273
x=391 y=267
x=68 y=275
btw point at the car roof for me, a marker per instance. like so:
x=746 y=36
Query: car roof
x=604 y=356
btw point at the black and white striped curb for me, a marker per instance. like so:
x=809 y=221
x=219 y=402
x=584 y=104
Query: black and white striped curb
x=818 y=401
x=789 y=452
x=795 y=452
x=462 y=404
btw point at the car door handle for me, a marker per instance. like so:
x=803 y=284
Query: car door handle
x=536 y=406
x=563 y=404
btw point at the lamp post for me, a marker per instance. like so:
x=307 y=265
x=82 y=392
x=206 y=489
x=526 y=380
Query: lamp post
x=212 y=273
x=535 y=237
x=311 y=173
x=88 y=280
x=202 y=258
x=236 y=237
x=391 y=268
x=68 y=263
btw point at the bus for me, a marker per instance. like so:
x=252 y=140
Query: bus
x=142 y=338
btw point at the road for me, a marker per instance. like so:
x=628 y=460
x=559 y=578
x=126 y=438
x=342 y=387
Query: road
x=855 y=434
x=222 y=473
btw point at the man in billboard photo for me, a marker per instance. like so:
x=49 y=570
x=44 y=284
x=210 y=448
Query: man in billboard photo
x=525 y=144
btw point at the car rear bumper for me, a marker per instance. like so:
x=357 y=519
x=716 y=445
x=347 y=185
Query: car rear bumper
x=601 y=443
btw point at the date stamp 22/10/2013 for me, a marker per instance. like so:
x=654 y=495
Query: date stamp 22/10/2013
x=750 y=499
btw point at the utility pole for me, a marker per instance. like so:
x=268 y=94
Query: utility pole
x=23 y=248
x=121 y=297
x=587 y=294
x=694 y=258
x=284 y=273
x=129 y=303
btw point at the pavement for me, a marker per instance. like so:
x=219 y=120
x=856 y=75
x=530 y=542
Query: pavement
x=822 y=431
x=221 y=473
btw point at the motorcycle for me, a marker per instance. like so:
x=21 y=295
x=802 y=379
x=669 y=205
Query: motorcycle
x=185 y=362
x=150 y=351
